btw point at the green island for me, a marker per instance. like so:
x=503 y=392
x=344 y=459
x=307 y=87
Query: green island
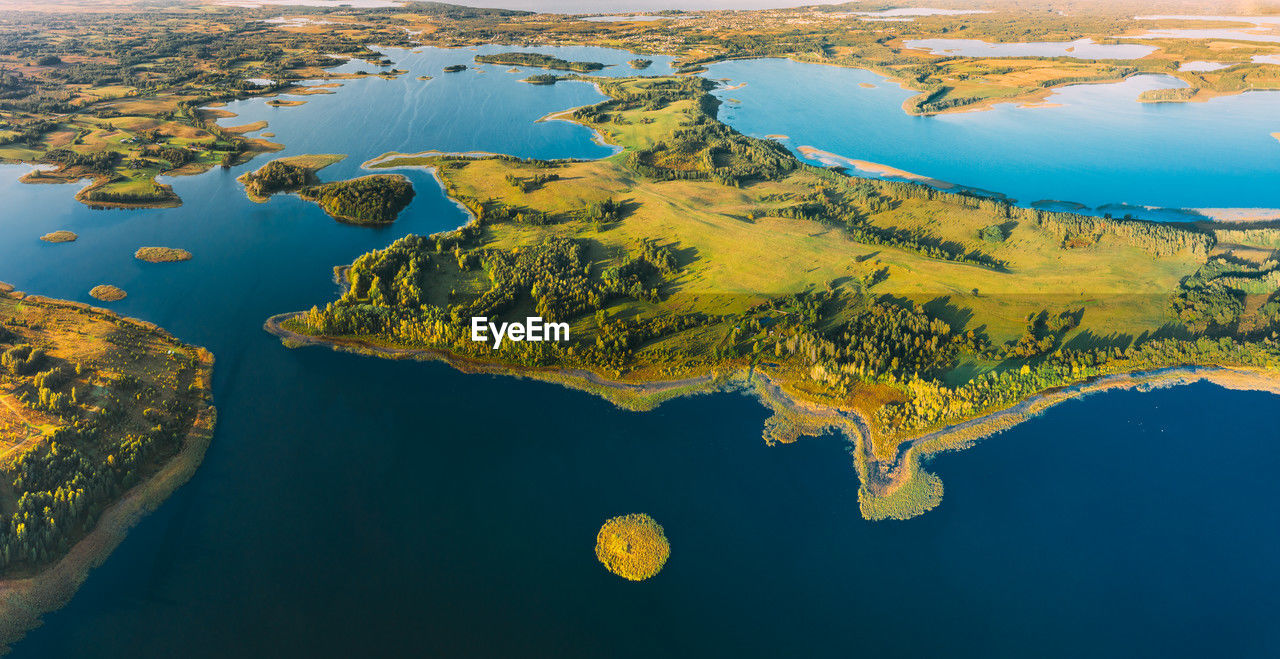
x=286 y=175
x=544 y=79
x=909 y=319
x=640 y=63
x=455 y=68
x=1178 y=95
x=376 y=199
x=108 y=293
x=538 y=60
x=633 y=546
x=101 y=418
x=60 y=236
x=161 y=254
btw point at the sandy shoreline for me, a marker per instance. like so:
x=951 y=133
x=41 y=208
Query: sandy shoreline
x=24 y=600
x=868 y=167
x=1238 y=214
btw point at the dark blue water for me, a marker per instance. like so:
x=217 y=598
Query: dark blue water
x=351 y=506
x=1101 y=147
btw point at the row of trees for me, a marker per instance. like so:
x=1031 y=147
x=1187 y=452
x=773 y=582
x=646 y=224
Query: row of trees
x=934 y=404
x=531 y=183
x=1159 y=239
x=102 y=162
x=408 y=293
x=849 y=204
x=1213 y=300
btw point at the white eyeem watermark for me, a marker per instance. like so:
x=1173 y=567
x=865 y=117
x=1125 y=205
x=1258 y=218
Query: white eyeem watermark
x=534 y=329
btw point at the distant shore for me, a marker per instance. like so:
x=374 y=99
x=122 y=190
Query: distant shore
x=885 y=478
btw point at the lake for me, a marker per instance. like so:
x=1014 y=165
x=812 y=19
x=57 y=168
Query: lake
x=1078 y=49
x=1100 y=148
x=351 y=506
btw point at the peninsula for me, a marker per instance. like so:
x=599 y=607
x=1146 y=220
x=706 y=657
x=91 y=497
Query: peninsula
x=539 y=61
x=101 y=418
x=910 y=319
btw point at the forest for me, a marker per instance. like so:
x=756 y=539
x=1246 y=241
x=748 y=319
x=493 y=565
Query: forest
x=105 y=425
x=376 y=199
x=538 y=60
x=276 y=176
x=543 y=79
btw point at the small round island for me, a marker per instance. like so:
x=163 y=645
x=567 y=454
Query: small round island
x=108 y=293
x=632 y=546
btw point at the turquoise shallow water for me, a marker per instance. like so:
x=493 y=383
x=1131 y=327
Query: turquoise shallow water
x=358 y=507
x=1099 y=148
x=1078 y=49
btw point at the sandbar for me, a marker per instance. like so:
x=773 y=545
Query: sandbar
x=247 y=128
x=309 y=91
x=875 y=168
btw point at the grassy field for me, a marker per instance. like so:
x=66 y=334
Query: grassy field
x=739 y=255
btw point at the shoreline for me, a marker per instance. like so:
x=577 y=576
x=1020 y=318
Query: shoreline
x=1224 y=217
x=892 y=487
x=885 y=479
x=23 y=600
x=873 y=168
x=635 y=396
